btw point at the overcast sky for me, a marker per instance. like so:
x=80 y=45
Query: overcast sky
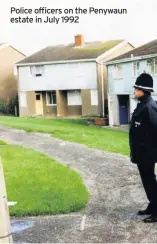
x=138 y=26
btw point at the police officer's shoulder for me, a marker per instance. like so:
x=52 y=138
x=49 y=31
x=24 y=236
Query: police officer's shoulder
x=152 y=103
x=152 y=106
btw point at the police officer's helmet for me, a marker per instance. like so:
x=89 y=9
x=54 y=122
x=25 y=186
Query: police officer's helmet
x=144 y=82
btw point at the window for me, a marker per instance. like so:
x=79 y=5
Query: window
x=94 y=97
x=74 y=97
x=155 y=64
x=38 y=97
x=152 y=65
x=37 y=70
x=51 y=98
x=117 y=71
x=136 y=68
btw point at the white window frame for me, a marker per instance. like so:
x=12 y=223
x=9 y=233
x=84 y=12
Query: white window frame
x=137 y=72
x=51 y=104
x=70 y=96
x=94 y=97
x=37 y=70
x=117 y=72
x=154 y=63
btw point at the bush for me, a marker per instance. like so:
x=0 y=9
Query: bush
x=14 y=102
x=4 y=108
x=9 y=108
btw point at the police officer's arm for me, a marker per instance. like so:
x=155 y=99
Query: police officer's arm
x=153 y=117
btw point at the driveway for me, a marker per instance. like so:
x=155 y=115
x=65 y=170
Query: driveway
x=116 y=195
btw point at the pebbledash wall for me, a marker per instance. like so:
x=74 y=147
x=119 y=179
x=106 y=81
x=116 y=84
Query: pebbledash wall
x=124 y=86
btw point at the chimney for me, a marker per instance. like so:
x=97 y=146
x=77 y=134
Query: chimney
x=79 y=40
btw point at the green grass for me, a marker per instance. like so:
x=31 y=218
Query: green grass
x=39 y=184
x=74 y=130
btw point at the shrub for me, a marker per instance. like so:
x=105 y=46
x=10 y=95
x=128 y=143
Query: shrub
x=14 y=102
x=9 y=108
x=4 y=108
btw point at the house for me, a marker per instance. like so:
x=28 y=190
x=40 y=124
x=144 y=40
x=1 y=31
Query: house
x=66 y=80
x=122 y=73
x=8 y=82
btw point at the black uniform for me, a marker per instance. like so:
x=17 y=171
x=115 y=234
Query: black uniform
x=143 y=145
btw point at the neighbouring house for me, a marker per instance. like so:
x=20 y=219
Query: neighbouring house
x=8 y=82
x=122 y=73
x=67 y=80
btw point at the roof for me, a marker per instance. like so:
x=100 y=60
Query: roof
x=146 y=49
x=17 y=50
x=69 y=52
x=6 y=44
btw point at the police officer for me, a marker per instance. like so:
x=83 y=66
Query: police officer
x=143 y=142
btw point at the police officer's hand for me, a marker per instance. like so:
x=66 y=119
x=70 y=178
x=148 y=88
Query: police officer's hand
x=131 y=158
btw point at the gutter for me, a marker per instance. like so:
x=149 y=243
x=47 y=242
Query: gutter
x=56 y=62
x=130 y=59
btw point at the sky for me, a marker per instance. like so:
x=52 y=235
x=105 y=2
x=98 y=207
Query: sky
x=137 y=26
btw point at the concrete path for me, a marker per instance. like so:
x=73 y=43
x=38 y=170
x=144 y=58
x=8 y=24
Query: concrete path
x=115 y=189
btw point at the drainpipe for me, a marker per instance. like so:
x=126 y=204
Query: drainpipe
x=102 y=88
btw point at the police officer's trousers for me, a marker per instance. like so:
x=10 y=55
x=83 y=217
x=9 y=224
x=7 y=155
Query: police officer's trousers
x=148 y=177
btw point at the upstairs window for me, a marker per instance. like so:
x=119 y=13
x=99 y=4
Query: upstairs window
x=51 y=98
x=152 y=65
x=117 y=71
x=136 y=68
x=37 y=70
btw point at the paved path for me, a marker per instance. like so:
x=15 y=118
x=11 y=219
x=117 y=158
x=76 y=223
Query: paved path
x=115 y=189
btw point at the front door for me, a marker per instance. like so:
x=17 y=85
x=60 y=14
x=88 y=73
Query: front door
x=39 y=104
x=123 y=109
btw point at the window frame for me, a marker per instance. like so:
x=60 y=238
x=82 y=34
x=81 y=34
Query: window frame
x=116 y=74
x=154 y=64
x=68 y=97
x=51 y=104
x=37 y=94
x=137 y=70
x=34 y=73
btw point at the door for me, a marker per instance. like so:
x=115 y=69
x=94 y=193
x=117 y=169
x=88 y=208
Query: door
x=123 y=109
x=39 y=104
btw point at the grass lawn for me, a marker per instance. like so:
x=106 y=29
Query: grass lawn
x=75 y=130
x=39 y=184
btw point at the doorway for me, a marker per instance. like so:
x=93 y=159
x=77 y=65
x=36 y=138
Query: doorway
x=39 y=104
x=123 y=109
